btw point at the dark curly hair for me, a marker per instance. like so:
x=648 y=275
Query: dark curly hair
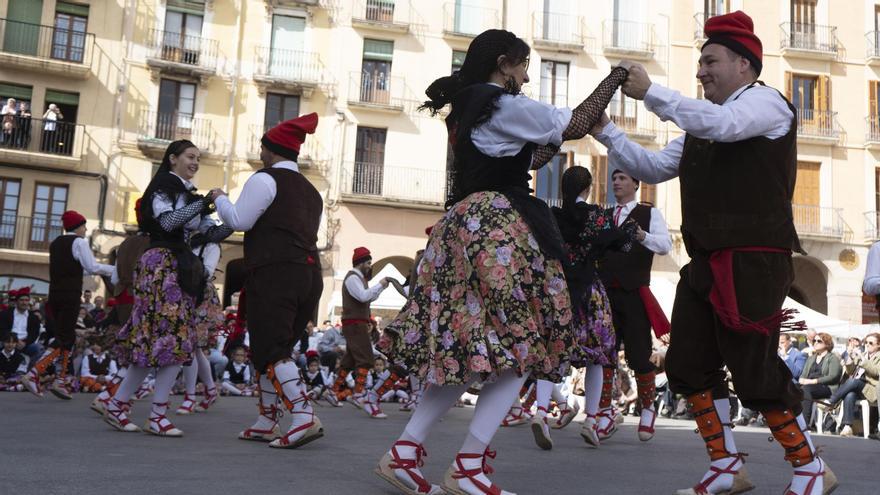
x=574 y=181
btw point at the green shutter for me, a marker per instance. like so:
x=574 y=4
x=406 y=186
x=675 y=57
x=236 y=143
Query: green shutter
x=378 y=50
x=187 y=6
x=14 y=91
x=29 y=11
x=22 y=29
x=58 y=97
x=72 y=9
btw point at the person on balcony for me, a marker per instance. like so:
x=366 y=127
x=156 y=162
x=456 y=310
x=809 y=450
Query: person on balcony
x=279 y=211
x=50 y=141
x=491 y=303
x=8 y=122
x=736 y=165
x=70 y=257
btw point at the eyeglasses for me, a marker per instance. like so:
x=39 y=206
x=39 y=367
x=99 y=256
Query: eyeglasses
x=870 y=343
x=818 y=341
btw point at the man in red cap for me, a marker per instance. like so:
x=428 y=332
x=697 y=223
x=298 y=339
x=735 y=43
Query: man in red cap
x=736 y=166
x=280 y=212
x=24 y=323
x=356 y=326
x=70 y=257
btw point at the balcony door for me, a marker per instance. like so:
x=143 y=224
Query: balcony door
x=280 y=108
x=22 y=33
x=811 y=95
x=380 y=10
x=69 y=35
x=622 y=110
x=601 y=182
x=803 y=24
x=50 y=201
x=468 y=15
x=558 y=21
x=288 y=42
x=10 y=192
x=627 y=24
x=874 y=109
x=548 y=180
x=182 y=39
x=554 y=83
x=376 y=71
x=715 y=7
x=177 y=101
x=369 y=161
x=807 y=214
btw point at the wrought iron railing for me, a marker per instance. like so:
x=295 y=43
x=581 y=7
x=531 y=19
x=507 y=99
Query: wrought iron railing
x=28 y=233
x=54 y=137
x=376 y=180
x=390 y=12
x=558 y=28
x=629 y=36
x=872 y=221
x=812 y=37
x=376 y=88
x=642 y=125
x=46 y=42
x=295 y=65
x=872 y=42
x=171 y=126
x=469 y=20
x=182 y=49
x=817 y=123
x=872 y=134
x=818 y=220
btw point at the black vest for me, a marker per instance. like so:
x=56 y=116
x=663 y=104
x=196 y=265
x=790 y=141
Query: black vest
x=65 y=272
x=10 y=365
x=236 y=377
x=287 y=232
x=739 y=194
x=475 y=171
x=98 y=369
x=633 y=269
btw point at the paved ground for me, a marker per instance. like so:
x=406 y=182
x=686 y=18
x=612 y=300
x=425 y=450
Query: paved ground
x=55 y=447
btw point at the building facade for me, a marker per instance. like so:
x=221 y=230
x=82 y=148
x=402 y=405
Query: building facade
x=126 y=77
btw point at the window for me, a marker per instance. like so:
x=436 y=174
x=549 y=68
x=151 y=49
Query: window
x=369 y=156
x=177 y=102
x=279 y=108
x=622 y=111
x=601 y=185
x=22 y=31
x=376 y=71
x=548 y=180
x=811 y=95
x=380 y=10
x=50 y=201
x=803 y=12
x=877 y=194
x=182 y=39
x=554 y=83
x=16 y=126
x=288 y=42
x=648 y=193
x=716 y=7
x=803 y=24
x=805 y=202
x=69 y=35
x=457 y=59
x=10 y=191
x=468 y=15
x=59 y=122
x=558 y=22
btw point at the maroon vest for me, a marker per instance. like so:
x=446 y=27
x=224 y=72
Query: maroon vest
x=287 y=232
x=65 y=272
x=633 y=269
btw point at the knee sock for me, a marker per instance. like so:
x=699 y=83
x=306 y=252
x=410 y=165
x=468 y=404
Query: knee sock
x=556 y=394
x=190 y=373
x=204 y=369
x=165 y=377
x=435 y=402
x=542 y=395
x=229 y=387
x=113 y=385
x=593 y=388
x=132 y=381
x=491 y=407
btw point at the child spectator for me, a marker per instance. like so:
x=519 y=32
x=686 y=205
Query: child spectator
x=237 y=377
x=13 y=364
x=98 y=369
x=315 y=384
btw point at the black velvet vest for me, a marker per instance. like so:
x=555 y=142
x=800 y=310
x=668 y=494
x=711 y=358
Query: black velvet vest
x=633 y=269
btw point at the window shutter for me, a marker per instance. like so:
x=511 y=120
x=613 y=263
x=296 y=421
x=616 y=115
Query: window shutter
x=789 y=92
x=872 y=92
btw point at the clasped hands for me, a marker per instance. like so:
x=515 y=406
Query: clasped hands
x=215 y=193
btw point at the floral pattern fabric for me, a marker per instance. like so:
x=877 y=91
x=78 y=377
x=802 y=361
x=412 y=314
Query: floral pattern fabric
x=486 y=300
x=208 y=317
x=160 y=330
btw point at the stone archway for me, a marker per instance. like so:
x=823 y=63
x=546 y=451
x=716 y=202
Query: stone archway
x=810 y=286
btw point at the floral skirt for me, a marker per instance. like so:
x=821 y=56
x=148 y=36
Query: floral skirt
x=485 y=300
x=208 y=318
x=160 y=330
x=594 y=329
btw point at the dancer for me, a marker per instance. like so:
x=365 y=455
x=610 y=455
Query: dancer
x=70 y=257
x=169 y=284
x=280 y=212
x=356 y=327
x=627 y=277
x=588 y=231
x=209 y=319
x=490 y=303
x=738 y=230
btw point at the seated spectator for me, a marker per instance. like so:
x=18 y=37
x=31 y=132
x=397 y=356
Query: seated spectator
x=13 y=364
x=24 y=323
x=793 y=357
x=821 y=374
x=98 y=368
x=237 y=377
x=852 y=354
x=317 y=382
x=862 y=385
x=84 y=323
x=331 y=347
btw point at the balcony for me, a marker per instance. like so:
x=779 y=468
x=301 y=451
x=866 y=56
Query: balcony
x=641 y=128
x=559 y=32
x=465 y=22
x=818 y=221
x=375 y=183
x=818 y=127
x=30 y=141
x=293 y=71
x=808 y=41
x=872 y=221
x=175 y=53
x=382 y=15
x=626 y=39
x=376 y=91
x=157 y=130
x=47 y=49
x=28 y=234
x=312 y=155
x=872 y=135
x=872 y=42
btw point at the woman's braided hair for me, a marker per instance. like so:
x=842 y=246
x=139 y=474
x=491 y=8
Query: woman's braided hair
x=574 y=181
x=479 y=64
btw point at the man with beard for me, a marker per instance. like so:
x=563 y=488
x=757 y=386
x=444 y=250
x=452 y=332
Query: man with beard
x=356 y=298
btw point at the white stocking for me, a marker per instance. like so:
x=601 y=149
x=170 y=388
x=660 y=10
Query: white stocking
x=204 y=369
x=434 y=403
x=542 y=395
x=190 y=373
x=593 y=389
x=132 y=381
x=229 y=387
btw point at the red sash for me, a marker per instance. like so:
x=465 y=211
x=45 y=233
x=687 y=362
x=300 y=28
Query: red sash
x=655 y=313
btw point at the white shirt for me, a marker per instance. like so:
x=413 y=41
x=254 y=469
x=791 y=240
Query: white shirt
x=86 y=372
x=517 y=121
x=162 y=203
x=210 y=257
x=760 y=111
x=238 y=369
x=83 y=254
x=256 y=196
x=355 y=287
x=657 y=240
x=871 y=285
x=19 y=323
